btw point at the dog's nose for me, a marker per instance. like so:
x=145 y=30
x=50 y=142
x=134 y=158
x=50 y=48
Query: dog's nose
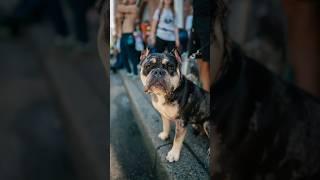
x=158 y=73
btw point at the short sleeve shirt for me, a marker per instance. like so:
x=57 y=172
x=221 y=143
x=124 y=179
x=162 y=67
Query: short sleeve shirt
x=167 y=25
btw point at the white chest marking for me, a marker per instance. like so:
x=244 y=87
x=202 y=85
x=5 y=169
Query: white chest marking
x=169 y=111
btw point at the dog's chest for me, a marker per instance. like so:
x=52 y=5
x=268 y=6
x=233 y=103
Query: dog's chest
x=169 y=111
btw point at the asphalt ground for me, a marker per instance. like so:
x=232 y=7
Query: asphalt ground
x=32 y=138
x=129 y=158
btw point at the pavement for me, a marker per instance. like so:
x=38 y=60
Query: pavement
x=80 y=83
x=128 y=154
x=32 y=137
x=54 y=110
x=193 y=163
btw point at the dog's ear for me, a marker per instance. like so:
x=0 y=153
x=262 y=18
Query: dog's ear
x=177 y=55
x=144 y=54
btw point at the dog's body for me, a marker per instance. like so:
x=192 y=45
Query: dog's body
x=263 y=127
x=173 y=96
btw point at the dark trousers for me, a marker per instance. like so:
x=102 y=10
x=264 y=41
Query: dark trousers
x=26 y=8
x=79 y=9
x=119 y=62
x=128 y=52
x=161 y=45
x=57 y=18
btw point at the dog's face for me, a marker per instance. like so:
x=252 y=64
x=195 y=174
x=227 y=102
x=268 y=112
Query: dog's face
x=160 y=72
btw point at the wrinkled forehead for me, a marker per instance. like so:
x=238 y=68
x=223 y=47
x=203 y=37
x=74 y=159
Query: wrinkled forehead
x=159 y=58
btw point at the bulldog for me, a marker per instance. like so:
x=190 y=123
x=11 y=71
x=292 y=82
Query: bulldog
x=176 y=98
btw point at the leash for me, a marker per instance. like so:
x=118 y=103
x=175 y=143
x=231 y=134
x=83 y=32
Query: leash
x=193 y=55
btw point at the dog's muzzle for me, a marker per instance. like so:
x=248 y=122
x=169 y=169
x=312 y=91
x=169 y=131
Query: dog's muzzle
x=157 y=80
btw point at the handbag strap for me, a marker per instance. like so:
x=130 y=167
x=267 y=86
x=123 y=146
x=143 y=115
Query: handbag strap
x=159 y=16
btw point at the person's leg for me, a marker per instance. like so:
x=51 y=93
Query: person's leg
x=79 y=8
x=204 y=73
x=119 y=63
x=132 y=54
x=160 y=45
x=57 y=17
x=170 y=45
x=124 y=53
x=23 y=14
x=26 y=7
x=133 y=59
x=203 y=33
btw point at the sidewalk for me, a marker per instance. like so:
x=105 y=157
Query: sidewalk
x=193 y=163
x=80 y=84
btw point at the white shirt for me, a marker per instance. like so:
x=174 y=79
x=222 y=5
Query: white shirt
x=166 y=26
x=188 y=25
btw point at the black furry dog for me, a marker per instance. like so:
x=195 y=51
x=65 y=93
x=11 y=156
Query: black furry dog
x=176 y=98
x=262 y=127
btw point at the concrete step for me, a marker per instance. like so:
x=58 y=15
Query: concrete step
x=193 y=163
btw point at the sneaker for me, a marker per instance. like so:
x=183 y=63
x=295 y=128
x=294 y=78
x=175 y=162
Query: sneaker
x=134 y=76
x=113 y=69
x=129 y=74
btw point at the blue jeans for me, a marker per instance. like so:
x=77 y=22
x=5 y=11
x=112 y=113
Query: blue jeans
x=128 y=52
x=119 y=62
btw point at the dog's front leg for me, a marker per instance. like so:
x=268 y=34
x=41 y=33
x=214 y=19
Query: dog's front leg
x=174 y=153
x=165 y=129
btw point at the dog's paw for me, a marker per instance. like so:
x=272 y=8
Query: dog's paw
x=173 y=155
x=163 y=136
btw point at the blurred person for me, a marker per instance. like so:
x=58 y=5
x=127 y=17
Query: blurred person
x=145 y=29
x=189 y=16
x=117 y=54
x=118 y=30
x=139 y=44
x=200 y=39
x=128 y=12
x=304 y=43
x=59 y=22
x=24 y=13
x=184 y=33
x=79 y=10
x=164 y=31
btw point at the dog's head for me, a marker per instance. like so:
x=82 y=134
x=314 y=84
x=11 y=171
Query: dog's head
x=160 y=72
